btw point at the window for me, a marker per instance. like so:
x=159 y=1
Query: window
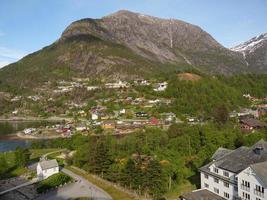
x=225 y=173
x=246 y=196
x=216 y=190
x=226 y=195
x=216 y=180
x=226 y=184
x=206 y=185
x=259 y=189
x=216 y=170
x=258 y=198
x=206 y=176
x=246 y=183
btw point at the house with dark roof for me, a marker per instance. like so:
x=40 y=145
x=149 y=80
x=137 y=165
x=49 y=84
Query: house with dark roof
x=237 y=174
x=251 y=124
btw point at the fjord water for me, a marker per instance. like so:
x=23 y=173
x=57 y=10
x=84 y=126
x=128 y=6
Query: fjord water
x=7 y=128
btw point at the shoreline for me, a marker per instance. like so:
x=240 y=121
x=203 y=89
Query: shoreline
x=32 y=137
x=12 y=136
x=22 y=136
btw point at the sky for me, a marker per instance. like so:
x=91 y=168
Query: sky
x=29 y=25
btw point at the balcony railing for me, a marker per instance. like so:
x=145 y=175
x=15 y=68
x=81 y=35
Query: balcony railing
x=243 y=187
x=258 y=193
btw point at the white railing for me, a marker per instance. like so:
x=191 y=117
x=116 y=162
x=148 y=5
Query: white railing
x=258 y=193
x=243 y=187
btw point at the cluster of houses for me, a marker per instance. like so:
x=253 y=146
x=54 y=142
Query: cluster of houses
x=239 y=174
x=249 y=119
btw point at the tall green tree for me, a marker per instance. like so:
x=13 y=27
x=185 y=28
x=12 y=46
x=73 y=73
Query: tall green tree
x=22 y=156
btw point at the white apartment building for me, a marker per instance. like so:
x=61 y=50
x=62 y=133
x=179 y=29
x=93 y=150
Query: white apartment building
x=239 y=174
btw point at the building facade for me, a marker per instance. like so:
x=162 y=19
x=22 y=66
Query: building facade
x=47 y=168
x=239 y=174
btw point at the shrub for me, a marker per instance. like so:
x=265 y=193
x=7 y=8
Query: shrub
x=52 y=182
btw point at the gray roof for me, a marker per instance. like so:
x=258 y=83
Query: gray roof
x=261 y=170
x=48 y=164
x=241 y=158
x=220 y=153
x=202 y=194
x=254 y=122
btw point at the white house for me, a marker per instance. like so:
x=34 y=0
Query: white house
x=239 y=174
x=161 y=87
x=94 y=116
x=47 y=168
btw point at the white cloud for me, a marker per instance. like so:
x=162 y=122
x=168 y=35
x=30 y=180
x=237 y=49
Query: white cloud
x=8 y=56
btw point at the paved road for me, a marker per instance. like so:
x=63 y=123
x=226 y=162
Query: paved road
x=81 y=188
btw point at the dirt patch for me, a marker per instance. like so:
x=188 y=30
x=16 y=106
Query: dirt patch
x=189 y=77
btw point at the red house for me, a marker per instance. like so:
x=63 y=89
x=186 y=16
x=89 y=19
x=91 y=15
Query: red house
x=154 y=121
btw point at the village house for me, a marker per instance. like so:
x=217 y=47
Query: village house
x=16 y=98
x=141 y=114
x=94 y=116
x=108 y=125
x=46 y=168
x=239 y=174
x=161 y=87
x=141 y=82
x=90 y=88
x=251 y=124
x=117 y=85
x=29 y=131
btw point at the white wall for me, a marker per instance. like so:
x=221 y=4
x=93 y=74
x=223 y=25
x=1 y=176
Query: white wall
x=43 y=174
x=212 y=184
x=251 y=177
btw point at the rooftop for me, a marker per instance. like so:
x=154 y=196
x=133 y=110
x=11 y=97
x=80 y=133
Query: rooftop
x=201 y=194
x=261 y=170
x=253 y=122
x=241 y=158
x=48 y=164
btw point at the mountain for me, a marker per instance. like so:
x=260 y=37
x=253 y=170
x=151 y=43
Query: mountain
x=124 y=45
x=254 y=52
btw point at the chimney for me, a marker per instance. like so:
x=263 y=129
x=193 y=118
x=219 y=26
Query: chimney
x=259 y=150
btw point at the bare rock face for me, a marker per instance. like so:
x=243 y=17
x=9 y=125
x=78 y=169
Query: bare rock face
x=163 y=40
x=254 y=52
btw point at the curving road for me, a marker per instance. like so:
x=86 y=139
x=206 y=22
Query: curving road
x=81 y=188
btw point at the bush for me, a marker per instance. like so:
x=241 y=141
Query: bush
x=52 y=182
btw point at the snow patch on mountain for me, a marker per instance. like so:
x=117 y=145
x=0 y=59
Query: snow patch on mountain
x=251 y=45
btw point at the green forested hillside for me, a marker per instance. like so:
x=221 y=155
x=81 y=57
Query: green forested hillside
x=154 y=161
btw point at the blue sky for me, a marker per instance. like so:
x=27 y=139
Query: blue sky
x=28 y=25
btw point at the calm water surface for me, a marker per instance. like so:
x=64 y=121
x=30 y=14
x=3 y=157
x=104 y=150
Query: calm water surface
x=12 y=127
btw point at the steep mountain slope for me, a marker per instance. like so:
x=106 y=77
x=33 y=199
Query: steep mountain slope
x=166 y=41
x=254 y=52
x=123 y=45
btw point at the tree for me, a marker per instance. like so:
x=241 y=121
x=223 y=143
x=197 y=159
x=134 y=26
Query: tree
x=220 y=114
x=155 y=180
x=101 y=158
x=22 y=156
x=3 y=165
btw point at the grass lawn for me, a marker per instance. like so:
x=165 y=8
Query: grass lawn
x=13 y=170
x=36 y=153
x=114 y=192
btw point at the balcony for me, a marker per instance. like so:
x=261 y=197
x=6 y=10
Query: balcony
x=258 y=193
x=243 y=187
